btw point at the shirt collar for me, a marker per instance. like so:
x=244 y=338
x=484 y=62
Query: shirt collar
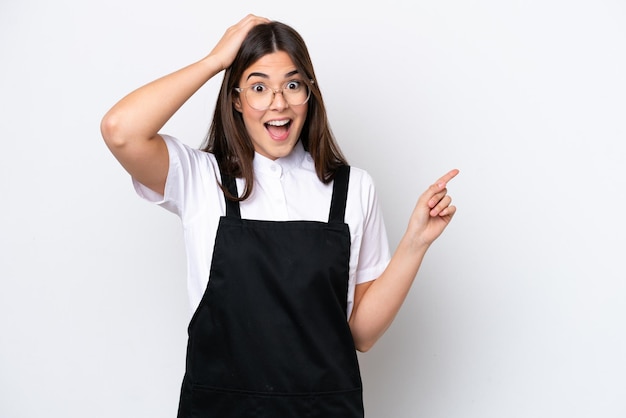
x=295 y=158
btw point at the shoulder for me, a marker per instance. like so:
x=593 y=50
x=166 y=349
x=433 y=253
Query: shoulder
x=176 y=146
x=361 y=181
x=362 y=198
x=189 y=160
x=192 y=179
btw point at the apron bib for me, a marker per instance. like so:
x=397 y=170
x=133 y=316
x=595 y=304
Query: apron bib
x=270 y=337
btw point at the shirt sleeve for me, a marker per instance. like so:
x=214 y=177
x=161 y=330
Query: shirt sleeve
x=374 y=253
x=189 y=168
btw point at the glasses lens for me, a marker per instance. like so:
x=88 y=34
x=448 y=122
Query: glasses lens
x=296 y=93
x=260 y=96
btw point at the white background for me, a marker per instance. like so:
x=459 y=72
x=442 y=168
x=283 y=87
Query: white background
x=520 y=307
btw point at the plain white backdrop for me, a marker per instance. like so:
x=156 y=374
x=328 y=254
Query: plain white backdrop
x=519 y=309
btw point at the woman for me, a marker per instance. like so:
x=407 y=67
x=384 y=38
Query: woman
x=288 y=266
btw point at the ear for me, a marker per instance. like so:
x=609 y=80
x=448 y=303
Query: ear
x=237 y=103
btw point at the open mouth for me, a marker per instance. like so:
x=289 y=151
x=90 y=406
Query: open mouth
x=278 y=129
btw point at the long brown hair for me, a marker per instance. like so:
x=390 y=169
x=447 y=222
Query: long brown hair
x=228 y=138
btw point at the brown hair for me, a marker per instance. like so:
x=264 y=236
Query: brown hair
x=228 y=138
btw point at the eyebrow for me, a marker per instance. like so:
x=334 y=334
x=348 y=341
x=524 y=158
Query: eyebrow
x=263 y=75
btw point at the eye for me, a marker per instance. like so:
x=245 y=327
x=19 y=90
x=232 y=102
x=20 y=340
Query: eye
x=293 y=85
x=258 y=88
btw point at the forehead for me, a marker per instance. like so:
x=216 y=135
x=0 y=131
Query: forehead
x=277 y=65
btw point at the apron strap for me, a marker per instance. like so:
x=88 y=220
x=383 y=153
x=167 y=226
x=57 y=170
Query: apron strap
x=340 y=194
x=337 y=204
x=232 y=207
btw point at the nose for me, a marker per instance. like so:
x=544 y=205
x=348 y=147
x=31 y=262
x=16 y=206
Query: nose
x=278 y=101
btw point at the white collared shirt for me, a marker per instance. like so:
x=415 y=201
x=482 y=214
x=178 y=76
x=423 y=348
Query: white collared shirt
x=285 y=189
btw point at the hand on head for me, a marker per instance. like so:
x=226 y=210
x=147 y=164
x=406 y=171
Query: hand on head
x=227 y=47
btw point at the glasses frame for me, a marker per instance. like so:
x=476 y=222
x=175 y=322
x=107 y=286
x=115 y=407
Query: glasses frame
x=274 y=91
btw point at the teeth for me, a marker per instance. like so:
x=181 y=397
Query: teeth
x=278 y=122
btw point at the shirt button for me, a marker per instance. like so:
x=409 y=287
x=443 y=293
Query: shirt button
x=276 y=169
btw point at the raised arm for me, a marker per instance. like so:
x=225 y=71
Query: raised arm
x=131 y=127
x=378 y=302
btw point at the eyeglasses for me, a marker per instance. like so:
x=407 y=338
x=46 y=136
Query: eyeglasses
x=260 y=96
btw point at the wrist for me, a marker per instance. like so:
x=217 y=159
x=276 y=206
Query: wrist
x=212 y=64
x=415 y=242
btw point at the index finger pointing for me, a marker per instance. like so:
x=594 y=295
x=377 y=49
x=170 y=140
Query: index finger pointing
x=446 y=178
